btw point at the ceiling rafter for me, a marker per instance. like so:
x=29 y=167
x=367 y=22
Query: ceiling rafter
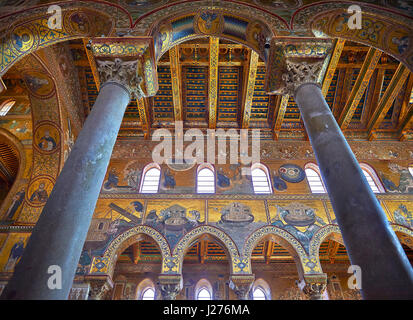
x=213 y=80
x=406 y=124
x=143 y=115
x=376 y=95
x=335 y=58
x=203 y=250
x=269 y=248
x=135 y=252
x=249 y=89
x=332 y=250
x=280 y=115
x=360 y=86
x=387 y=99
x=176 y=82
x=407 y=97
x=344 y=92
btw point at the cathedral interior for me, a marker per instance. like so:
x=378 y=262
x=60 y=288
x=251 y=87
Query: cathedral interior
x=322 y=194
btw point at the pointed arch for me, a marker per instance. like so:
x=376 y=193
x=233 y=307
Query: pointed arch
x=261 y=290
x=18 y=148
x=203 y=290
x=284 y=238
x=146 y=290
x=188 y=239
x=127 y=238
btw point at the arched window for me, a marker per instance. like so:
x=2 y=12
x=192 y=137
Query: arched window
x=146 y=290
x=203 y=294
x=260 y=179
x=258 y=294
x=203 y=290
x=314 y=179
x=206 y=179
x=148 y=294
x=372 y=178
x=260 y=290
x=150 y=180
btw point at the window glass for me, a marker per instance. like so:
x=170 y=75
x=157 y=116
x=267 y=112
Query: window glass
x=314 y=180
x=204 y=294
x=260 y=181
x=148 y=294
x=206 y=181
x=150 y=181
x=258 y=294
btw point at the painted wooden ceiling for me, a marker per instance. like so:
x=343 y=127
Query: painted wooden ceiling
x=359 y=99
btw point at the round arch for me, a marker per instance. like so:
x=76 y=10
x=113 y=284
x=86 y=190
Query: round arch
x=127 y=238
x=27 y=29
x=189 y=23
x=286 y=239
x=188 y=239
x=17 y=146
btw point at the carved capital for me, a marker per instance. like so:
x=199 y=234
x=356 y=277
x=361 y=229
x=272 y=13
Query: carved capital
x=300 y=72
x=313 y=286
x=99 y=287
x=242 y=285
x=170 y=286
x=122 y=72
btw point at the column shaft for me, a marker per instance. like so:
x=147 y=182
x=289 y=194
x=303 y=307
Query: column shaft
x=367 y=234
x=61 y=230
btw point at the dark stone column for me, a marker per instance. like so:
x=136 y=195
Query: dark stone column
x=370 y=241
x=61 y=230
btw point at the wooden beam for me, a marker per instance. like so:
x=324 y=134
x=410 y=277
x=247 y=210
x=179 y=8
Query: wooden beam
x=213 y=81
x=373 y=103
x=280 y=115
x=143 y=115
x=343 y=91
x=176 y=82
x=387 y=66
x=202 y=250
x=2 y=86
x=387 y=99
x=407 y=98
x=269 y=247
x=249 y=89
x=406 y=125
x=136 y=252
x=92 y=63
x=363 y=79
x=335 y=58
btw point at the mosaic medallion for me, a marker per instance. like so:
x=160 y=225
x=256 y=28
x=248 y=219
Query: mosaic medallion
x=291 y=173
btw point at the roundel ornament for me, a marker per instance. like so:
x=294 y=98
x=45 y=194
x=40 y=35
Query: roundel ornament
x=291 y=173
